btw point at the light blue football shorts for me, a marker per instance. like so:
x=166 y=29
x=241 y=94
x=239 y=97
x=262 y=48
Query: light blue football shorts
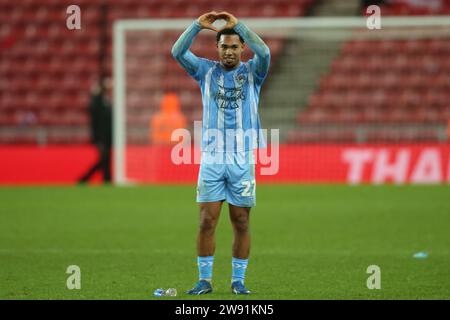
x=228 y=176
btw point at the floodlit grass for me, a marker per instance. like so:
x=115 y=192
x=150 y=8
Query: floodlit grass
x=308 y=242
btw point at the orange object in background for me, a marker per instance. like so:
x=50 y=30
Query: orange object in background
x=166 y=120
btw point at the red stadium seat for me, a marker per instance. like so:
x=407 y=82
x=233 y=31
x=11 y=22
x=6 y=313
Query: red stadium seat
x=389 y=81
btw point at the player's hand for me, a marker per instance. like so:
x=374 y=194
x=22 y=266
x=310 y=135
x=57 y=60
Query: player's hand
x=206 y=20
x=230 y=20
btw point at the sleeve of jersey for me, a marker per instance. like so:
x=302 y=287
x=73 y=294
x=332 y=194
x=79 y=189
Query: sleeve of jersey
x=180 y=51
x=261 y=61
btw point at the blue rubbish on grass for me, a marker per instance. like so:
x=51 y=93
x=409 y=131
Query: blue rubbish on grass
x=420 y=255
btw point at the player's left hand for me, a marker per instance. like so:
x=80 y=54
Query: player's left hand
x=206 y=20
x=230 y=20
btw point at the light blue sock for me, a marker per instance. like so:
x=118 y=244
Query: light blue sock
x=239 y=268
x=205 y=266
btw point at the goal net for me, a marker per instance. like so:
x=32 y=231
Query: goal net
x=332 y=82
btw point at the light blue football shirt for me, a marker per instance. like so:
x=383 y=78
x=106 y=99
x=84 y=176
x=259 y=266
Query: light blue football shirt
x=230 y=101
x=230 y=98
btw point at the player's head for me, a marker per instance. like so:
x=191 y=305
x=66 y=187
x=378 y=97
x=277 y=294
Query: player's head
x=229 y=46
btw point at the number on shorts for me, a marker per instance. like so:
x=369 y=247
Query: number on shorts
x=249 y=188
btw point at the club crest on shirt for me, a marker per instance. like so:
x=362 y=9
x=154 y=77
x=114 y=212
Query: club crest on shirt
x=231 y=98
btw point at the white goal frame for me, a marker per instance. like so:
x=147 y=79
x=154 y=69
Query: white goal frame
x=122 y=26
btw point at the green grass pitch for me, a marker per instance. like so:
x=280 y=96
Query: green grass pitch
x=308 y=242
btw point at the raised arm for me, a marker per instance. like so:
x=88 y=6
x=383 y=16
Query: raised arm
x=180 y=50
x=261 y=50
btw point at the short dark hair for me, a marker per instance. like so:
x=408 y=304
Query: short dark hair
x=227 y=32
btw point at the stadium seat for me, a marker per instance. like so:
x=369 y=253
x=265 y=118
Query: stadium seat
x=50 y=57
x=384 y=81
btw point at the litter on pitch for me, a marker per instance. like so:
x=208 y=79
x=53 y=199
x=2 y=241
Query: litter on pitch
x=171 y=292
x=420 y=255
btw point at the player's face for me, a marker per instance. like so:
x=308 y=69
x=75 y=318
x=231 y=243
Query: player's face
x=230 y=49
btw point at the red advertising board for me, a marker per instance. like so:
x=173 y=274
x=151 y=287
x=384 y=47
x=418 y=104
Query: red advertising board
x=352 y=164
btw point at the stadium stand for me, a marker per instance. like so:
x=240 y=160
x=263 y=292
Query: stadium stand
x=47 y=70
x=415 y=7
x=394 y=90
x=373 y=87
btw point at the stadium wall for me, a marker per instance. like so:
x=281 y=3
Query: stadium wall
x=325 y=163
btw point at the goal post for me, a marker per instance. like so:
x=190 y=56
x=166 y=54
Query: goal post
x=331 y=30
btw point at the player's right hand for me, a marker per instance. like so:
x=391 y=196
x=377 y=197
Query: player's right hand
x=206 y=20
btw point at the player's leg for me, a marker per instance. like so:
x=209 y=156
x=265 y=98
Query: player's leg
x=241 y=196
x=206 y=245
x=240 y=220
x=210 y=195
x=209 y=216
